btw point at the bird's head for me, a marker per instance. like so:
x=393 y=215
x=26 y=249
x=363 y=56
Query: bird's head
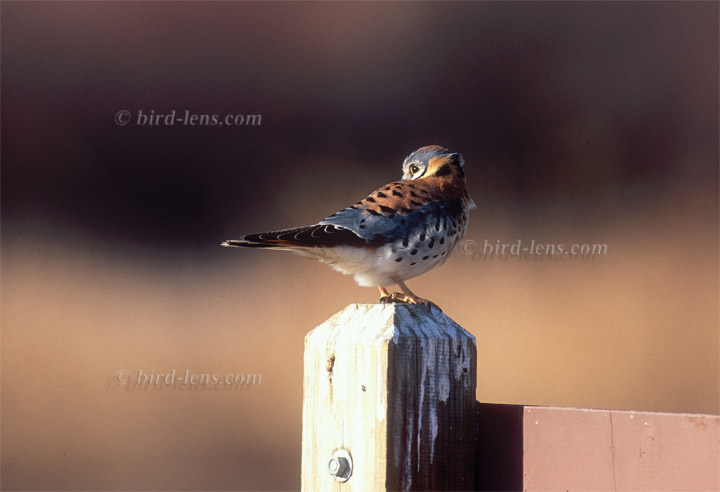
x=433 y=161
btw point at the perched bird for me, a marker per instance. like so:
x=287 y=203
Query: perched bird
x=398 y=232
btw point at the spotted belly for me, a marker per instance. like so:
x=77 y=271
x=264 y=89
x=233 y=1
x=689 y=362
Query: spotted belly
x=416 y=252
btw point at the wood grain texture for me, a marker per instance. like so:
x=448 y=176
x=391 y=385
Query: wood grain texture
x=393 y=384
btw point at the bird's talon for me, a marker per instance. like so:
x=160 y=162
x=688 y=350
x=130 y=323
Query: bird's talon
x=396 y=297
x=400 y=298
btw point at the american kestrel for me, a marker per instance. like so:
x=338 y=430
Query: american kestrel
x=398 y=232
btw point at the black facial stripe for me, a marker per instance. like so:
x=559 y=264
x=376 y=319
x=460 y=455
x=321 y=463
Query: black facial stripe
x=444 y=170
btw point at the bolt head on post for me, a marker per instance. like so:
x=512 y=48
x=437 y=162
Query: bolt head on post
x=340 y=465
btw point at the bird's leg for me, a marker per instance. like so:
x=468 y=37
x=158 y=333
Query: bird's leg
x=386 y=297
x=384 y=294
x=411 y=297
x=407 y=296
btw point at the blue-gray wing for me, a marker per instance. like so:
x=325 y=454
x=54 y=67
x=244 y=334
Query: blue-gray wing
x=370 y=227
x=399 y=210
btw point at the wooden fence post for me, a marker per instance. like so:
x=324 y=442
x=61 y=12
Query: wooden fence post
x=389 y=401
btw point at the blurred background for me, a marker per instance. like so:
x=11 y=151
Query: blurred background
x=581 y=122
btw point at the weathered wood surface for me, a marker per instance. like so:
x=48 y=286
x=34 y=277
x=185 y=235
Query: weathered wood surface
x=393 y=385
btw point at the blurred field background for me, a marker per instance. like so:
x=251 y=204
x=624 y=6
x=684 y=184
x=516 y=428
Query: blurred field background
x=579 y=122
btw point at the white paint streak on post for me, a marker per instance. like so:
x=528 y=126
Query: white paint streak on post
x=394 y=385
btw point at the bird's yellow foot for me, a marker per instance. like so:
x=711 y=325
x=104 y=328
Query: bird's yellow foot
x=395 y=297
x=399 y=297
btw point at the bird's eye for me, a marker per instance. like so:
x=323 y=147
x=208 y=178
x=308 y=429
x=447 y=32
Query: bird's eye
x=414 y=168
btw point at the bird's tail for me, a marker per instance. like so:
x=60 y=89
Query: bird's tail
x=242 y=243
x=273 y=239
x=318 y=235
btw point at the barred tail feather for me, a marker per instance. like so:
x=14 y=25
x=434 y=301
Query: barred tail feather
x=318 y=235
x=241 y=243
